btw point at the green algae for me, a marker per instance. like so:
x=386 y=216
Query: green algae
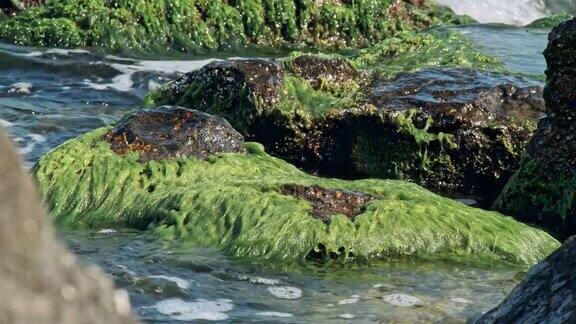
x=551 y=21
x=199 y=25
x=232 y=201
x=410 y=52
x=533 y=197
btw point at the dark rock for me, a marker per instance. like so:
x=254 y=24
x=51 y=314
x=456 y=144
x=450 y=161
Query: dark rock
x=547 y=295
x=543 y=190
x=316 y=70
x=454 y=131
x=174 y=132
x=11 y=7
x=329 y=202
x=40 y=281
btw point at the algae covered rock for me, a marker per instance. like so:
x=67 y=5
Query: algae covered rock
x=542 y=191
x=199 y=25
x=258 y=207
x=547 y=295
x=166 y=132
x=415 y=116
x=41 y=281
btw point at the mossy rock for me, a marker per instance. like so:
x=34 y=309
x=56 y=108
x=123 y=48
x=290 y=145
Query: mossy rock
x=543 y=190
x=372 y=116
x=148 y=26
x=260 y=208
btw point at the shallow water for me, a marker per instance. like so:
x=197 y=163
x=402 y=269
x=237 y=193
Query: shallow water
x=49 y=96
x=168 y=283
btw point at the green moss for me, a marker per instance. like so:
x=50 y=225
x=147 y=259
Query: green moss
x=199 y=25
x=232 y=202
x=533 y=196
x=551 y=21
x=408 y=52
x=406 y=152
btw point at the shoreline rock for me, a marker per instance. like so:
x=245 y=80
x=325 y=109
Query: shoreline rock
x=543 y=190
x=40 y=280
x=158 y=26
x=453 y=130
x=547 y=295
x=263 y=209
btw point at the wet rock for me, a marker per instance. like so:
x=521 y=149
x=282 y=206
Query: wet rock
x=455 y=131
x=41 y=282
x=316 y=70
x=547 y=295
x=174 y=132
x=542 y=191
x=329 y=202
x=10 y=7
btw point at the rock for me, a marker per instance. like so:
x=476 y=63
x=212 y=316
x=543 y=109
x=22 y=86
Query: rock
x=251 y=205
x=41 y=281
x=11 y=7
x=542 y=192
x=547 y=295
x=174 y=132
x=452 y=130
x=183 y=26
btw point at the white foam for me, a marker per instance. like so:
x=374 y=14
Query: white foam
x=403 y=300
x=274 y=314
x=21 y=88
x=207 y=310
x=124 y=83
x=35 y=139
x=5 y=123
x=347 y=316
x=181 y=283
x=511 y=12
x=286 y=292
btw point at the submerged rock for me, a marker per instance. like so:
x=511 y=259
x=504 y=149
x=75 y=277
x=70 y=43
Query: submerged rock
x=547 y=295
x=168 y=132
x=543 y=190
x=255 y=206
x=452 y=130
x=41 y=281
x=196 y=26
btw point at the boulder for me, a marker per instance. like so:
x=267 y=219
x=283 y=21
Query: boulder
x=547 y=295
x=542 y=191
x=262 y=209
x=40 y=280
x=169 y=132
x=453 y=130
x=199 y=26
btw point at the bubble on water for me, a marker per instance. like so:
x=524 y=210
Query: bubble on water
x=347 y=316
x=274 y=314
x=181 y=310
x=261 y=280
x=107 y=231
x=403 y=300
x=181 y=283
x=286 y=292
x=353 y=300
x=460 y=300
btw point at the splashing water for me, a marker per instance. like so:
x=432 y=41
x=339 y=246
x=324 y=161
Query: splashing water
x=510 y=12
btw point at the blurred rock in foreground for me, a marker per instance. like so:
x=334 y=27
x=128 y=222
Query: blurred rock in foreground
x=40 y=281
